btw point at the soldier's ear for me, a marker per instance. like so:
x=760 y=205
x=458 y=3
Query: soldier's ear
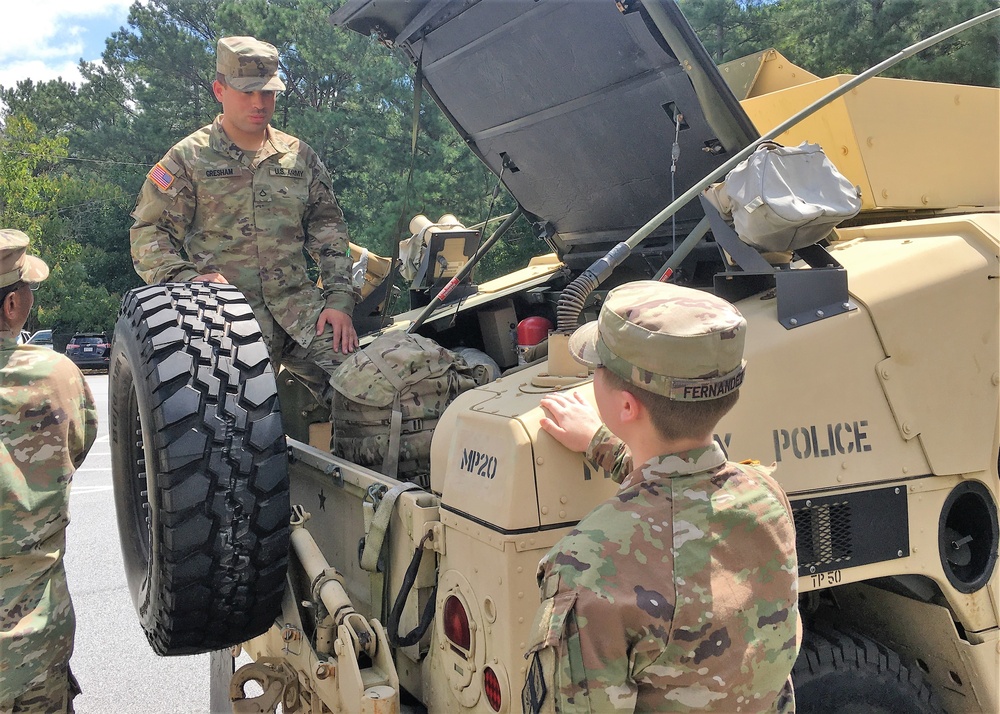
x=217 y=87
x=8 y=307
x=629 y=406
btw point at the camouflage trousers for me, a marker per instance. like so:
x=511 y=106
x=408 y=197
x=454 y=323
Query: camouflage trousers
x=314 y=364
x=51 y=692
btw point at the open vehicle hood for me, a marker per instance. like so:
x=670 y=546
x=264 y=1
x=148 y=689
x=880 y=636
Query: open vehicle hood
x=575 y=103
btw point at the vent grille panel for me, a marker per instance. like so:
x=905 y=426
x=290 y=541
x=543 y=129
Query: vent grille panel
x=847 y=530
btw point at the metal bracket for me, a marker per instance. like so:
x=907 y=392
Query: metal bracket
x=318 y=461
x=436 y=541
x=328 y=575
x=804 y=295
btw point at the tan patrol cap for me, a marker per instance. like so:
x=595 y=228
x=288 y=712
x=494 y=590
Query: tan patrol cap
x=682 y=343
x=15 y=263
x=248 y=64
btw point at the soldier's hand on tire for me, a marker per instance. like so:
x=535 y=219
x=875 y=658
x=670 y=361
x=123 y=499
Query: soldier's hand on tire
x=571 y=421
x=345 y=339
x=211 y=278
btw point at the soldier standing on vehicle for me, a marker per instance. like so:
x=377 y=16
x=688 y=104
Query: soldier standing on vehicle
x=238 y=201
x=679 y=593
x=48 y=422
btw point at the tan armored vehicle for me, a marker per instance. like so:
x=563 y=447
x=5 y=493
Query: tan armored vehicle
x=874 y=366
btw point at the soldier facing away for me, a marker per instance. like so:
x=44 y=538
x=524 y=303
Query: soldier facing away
x=679 y=593
x=48 y=422
x=238 y=201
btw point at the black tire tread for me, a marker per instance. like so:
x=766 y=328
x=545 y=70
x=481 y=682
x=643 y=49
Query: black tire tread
x=834 y=662
x=220 y=509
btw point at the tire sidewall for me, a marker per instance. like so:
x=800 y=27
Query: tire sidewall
x=126 y=392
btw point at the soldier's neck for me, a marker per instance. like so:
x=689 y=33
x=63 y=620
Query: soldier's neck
x=250 y=143
x=645 y=443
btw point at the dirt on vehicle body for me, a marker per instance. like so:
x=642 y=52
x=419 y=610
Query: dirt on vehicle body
x=873 y=383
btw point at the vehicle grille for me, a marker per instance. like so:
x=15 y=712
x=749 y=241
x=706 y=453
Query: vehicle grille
x=850 y=529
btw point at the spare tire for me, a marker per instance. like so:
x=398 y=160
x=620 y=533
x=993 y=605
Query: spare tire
x=200 y=467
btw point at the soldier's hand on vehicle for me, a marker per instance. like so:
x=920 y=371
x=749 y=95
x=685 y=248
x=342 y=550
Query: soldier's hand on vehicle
x=210 y=278
x=571 y=421
x=345 y=339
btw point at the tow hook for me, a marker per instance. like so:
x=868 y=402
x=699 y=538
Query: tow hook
x=275 y=677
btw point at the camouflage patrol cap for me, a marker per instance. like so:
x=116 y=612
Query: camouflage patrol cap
x=682 y=343
x=248 y=64
x=15 y=263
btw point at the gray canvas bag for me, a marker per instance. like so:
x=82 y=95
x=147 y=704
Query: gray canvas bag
x=781 y=198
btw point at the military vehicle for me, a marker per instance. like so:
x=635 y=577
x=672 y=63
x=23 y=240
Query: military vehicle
x=874 y=367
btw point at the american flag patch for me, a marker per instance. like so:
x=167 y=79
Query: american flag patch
x=161 y=177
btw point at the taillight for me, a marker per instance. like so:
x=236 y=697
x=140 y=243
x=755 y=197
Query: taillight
x=456 y=623
x=491 y=685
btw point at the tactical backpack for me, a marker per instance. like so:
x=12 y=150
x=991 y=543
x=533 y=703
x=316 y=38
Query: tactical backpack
x=387 y=401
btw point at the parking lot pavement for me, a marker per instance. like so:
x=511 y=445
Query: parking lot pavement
x=113 y=662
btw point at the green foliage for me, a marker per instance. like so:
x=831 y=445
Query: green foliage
x=49 y=206
x=70 y=302
x=72 y=158
x=730 y=29
x=830 y=37
x=967 y=58
x=27 y=186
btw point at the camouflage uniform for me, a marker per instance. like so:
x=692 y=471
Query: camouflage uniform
x=679 y=593
x=48 y=423
x=208 y=206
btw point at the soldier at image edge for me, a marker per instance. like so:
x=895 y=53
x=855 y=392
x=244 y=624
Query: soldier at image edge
x=237 y=202
x=48 y=422
x=679 y=593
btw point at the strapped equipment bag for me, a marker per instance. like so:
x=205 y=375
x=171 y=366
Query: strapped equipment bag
x=783 y=198
x=387 y=401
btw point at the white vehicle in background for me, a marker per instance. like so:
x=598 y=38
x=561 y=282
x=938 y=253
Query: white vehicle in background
x=42 y=338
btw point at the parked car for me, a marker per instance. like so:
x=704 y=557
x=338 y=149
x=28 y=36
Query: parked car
x=89 y=349
x=23 y=336
x=42 y=338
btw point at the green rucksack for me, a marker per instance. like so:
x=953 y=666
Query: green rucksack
x=388 y=398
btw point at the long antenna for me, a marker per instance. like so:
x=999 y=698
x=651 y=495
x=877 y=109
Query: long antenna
x=843 y=89
x=575 y=294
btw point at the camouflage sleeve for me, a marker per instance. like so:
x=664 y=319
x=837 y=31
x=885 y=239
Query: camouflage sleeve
x=556 y=667
x=327 y=241
x=162 y=216
x=610 y=453
x=82 y=437
x=577 y=661
x=785 y=701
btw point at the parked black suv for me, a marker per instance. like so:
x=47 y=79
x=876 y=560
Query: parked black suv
x=89 y=350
